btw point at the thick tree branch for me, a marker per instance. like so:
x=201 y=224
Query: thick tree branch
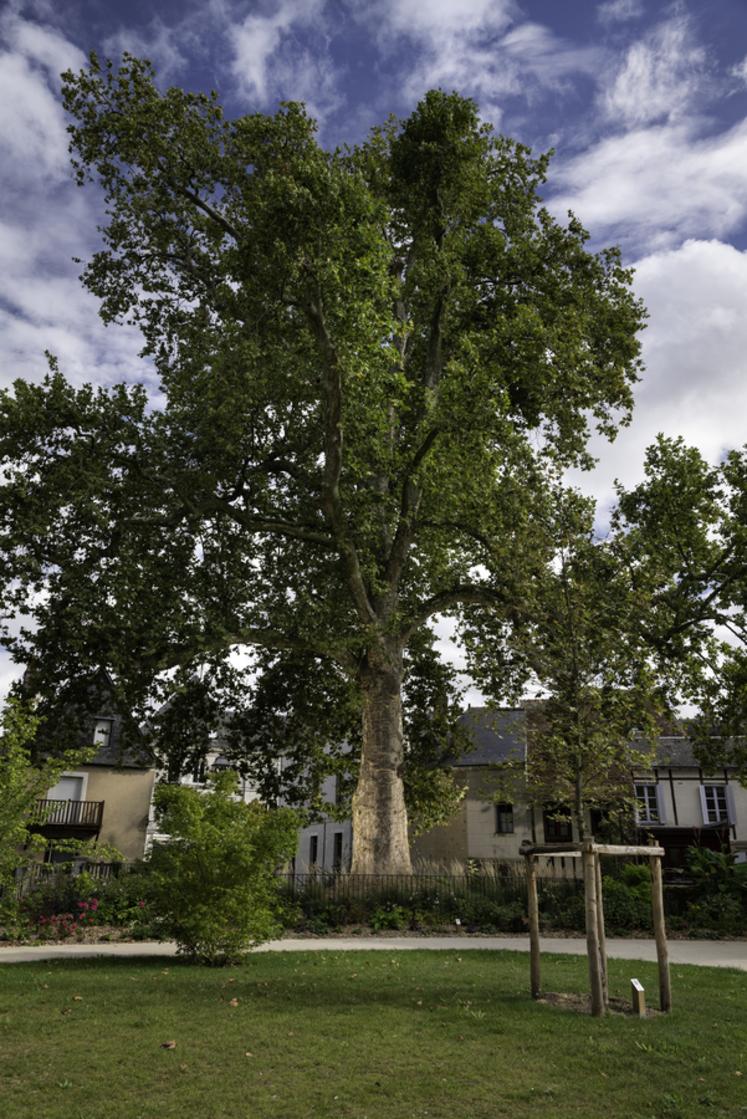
x=460 y=595
x=331 y=500
x=208 y=210
x=180 y=655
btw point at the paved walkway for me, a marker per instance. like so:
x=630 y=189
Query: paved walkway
x=713 y=953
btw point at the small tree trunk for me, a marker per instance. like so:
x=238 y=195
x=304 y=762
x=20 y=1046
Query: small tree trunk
x=592 y=930
x=660 y=933
x=601 y=932
x=535 y=964
x=380 y=839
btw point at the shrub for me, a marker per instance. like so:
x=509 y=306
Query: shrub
x=627 y=901
x=213 y=886
x=390 y=916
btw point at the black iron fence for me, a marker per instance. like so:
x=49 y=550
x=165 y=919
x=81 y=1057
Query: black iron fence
x=402 y=887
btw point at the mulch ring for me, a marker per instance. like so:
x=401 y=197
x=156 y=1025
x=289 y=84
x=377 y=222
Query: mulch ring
x=581 y=1004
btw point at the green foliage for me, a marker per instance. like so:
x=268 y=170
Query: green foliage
x=24 y=779
x=686 y=532
x=585 y=647
x=212 y=885
x=389 y=916
x=627 y=902
x=719 y=905
x=359 y=351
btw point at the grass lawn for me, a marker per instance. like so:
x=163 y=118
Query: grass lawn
x=362 y=1035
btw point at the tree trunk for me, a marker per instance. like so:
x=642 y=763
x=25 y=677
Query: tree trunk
x=380 y=839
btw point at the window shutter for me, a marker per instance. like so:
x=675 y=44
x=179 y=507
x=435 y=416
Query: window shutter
x=731 y=811
x=703 y=804
x=661 y=804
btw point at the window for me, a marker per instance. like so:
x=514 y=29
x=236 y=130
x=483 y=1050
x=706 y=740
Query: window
x=556 y=821
x=647 y=804
x=313 y=850
x=714 y=802
x=102 y=733
x=504 y=819
x=337 y=851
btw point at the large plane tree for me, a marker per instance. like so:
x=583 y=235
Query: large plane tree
x=366 y=358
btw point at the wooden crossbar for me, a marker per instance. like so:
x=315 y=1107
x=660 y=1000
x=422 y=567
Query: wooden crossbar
x=575 y=850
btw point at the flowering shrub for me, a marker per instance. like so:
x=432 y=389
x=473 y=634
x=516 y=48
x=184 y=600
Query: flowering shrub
x=59 y=926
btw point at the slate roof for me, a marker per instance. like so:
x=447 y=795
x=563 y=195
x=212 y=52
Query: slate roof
x=498 y=734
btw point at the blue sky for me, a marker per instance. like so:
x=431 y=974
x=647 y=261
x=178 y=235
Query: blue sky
x=644 y=102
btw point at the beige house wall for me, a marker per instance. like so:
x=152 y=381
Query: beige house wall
x=126 y=794
x=444 y=844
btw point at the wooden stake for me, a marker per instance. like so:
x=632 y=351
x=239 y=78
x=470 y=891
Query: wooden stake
x=660 y=934
x=600 y=930
x=592 y=930
x=534 y=929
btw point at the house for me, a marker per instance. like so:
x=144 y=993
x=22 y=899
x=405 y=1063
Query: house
x=107 y=798
x=681 y=805
x=676 y=802
x=324 y=845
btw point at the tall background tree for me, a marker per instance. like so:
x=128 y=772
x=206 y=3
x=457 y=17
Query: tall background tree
x=366 y=358
x=685 y=527
x=584 y=649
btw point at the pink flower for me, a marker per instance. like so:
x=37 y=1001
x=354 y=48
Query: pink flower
x=82 y=905
x=141 y=904
x=42 y=920
x=94 y=903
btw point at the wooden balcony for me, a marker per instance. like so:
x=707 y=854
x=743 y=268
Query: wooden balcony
x=67 y=817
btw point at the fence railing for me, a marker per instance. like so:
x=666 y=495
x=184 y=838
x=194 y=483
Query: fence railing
x=34 y=875
x=335 y=886
x=68 y=813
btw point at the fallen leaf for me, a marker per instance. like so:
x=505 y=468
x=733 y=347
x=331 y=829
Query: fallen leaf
x=77 y=998
x=168 y=1045
x=248 y=1054
x=233 y=1002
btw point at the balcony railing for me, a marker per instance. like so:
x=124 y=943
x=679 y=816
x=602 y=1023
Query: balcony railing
x=68 y=814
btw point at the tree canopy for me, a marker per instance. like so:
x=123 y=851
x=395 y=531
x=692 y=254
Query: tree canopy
x=366 y=358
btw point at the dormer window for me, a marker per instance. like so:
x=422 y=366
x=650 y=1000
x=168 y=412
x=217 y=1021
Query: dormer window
x=102 y=734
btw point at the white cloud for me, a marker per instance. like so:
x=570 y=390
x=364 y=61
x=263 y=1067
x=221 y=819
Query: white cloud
x=695 y=351
x=659 y=77
x=619 y=11
x=40 y=44
x=269 y=61
x=33 y=140
x=740 y=70
x=47 y=221
x=656 y=186
x=548 y=57
x=481 y=48
x=456 y=18
x=160 y=43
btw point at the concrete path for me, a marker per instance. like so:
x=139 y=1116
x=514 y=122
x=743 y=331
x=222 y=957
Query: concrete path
x=711 y=953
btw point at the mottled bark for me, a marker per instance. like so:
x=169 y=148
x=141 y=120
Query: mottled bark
x=380 y=839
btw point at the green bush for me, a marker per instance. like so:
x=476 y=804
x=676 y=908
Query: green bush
x=212 y=885
x=627 y=902
x=390 y=916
